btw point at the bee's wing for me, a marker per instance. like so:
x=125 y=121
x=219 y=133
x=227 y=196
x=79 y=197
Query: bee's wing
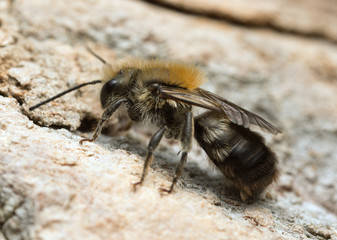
x=202 y=98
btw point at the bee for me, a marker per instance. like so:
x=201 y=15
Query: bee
x=163 y=94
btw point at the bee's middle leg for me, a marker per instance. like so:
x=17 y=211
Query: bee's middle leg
x=153 y=144
x=186 y=142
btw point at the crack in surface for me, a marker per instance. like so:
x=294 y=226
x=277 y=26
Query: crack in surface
x=9 y=217
x=16 y=213
x=238 y=22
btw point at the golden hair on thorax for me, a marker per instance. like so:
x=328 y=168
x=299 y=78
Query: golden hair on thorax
x=167 y=72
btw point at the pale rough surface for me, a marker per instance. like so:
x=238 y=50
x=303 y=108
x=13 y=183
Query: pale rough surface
x=54 y=188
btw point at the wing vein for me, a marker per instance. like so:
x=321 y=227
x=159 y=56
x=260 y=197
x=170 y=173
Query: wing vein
x=204 y=99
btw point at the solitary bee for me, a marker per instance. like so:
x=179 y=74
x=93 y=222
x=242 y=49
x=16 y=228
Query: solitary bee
x=162 y=94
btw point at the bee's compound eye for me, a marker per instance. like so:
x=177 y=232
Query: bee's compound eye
x=107 y=90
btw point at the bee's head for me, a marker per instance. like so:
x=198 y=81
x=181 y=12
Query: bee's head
x=117 y=86
x=107 y=90
x=111 y=88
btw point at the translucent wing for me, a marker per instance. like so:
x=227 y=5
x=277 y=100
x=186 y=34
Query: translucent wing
x=202 y=98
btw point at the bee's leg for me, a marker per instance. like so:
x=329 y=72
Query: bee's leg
x=112 y=107
x=186 y=143
x=153 y=144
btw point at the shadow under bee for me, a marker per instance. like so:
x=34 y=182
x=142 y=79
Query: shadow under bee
x=197 y=176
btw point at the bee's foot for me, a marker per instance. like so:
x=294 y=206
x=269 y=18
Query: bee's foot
x=85 y=140
x=136 y=185
x=164 y=191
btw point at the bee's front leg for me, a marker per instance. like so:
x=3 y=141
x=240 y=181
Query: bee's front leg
x=112 y=107
x=186 y=143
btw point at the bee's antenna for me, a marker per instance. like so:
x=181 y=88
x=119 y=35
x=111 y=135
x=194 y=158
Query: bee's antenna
x=63 y=93
x=95 y=55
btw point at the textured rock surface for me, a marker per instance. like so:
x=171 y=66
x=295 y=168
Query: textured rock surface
x=54 y=188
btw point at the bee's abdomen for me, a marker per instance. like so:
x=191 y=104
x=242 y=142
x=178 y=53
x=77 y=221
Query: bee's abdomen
x=239 y=153
x=253 y=163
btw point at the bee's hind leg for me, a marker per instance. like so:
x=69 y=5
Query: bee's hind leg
x=186 y=142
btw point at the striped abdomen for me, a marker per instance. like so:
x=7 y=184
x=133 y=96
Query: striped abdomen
x=239 y=153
